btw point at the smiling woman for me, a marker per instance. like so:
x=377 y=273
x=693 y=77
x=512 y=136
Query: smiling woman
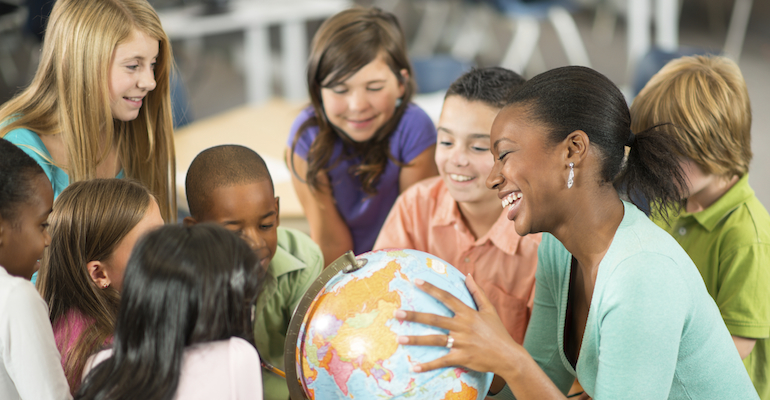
x=362 y=142
x=618 y=304
x=98 y=106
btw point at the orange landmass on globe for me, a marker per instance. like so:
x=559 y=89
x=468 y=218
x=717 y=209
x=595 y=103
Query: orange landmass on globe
x=365 y=305
x=466 y=392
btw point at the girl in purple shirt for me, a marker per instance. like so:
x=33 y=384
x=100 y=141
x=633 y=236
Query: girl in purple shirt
x=361 y=142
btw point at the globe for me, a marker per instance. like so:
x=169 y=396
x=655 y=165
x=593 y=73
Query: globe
x=346 y=345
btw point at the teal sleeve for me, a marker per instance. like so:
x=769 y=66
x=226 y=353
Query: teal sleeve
x=743 y=297
x=640 y=329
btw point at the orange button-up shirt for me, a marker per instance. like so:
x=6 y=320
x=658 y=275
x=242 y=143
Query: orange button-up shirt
x=427 y=218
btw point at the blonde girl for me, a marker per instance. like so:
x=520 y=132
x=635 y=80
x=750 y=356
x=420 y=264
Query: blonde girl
x=99 y=103
x=94 y=226
x=362 y=142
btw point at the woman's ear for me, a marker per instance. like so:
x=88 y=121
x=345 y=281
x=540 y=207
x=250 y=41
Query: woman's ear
x=98 y=274
x=576 y=147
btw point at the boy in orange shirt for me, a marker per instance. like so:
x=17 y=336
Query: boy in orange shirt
x=455 y=216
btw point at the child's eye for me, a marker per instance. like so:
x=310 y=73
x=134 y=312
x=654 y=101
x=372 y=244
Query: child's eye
x=132 y=67
x=374 y=89
x=480 y=149
x=266 y=227
x=45 y=225
x=445 y=143
x=339 y=90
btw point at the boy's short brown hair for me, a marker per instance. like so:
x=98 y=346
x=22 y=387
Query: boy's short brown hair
x=706 y=102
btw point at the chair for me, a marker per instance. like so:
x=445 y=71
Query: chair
x=526 y=17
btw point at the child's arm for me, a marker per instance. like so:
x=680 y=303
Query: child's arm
x=31 y=358
x=421 y=167
x=327 y=228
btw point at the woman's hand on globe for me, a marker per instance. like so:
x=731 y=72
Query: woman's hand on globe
x=480 y=340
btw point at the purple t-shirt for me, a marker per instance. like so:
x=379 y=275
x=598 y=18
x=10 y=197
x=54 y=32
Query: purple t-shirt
x=365 y=214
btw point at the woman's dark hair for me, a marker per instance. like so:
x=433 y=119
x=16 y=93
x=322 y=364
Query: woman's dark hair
x=17 y=171
x=578 y=98
x=492 y=86
x=344 y=44
x=183 y=285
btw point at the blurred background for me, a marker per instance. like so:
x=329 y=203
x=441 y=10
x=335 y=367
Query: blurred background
x=250 y=54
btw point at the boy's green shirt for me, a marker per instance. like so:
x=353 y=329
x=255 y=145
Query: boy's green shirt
x=296 y=264
x=729 y=242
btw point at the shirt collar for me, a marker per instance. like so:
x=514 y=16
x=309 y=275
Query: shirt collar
x=284 y=262
x=725 y=205
x=502 y=233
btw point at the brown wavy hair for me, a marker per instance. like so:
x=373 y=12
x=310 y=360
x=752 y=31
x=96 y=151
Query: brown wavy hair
x=69 y=95
x=88 y=221
x=344 y=44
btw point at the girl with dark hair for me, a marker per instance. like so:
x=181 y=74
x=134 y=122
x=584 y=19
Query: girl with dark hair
x=362 y=142
x=184 y=330
x=618 y=304
x=29 y=361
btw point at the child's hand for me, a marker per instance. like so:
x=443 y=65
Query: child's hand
x=479 y=339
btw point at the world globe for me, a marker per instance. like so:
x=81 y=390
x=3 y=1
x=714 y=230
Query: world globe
x=346 y=332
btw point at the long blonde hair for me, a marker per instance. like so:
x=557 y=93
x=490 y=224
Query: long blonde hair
x=69 y=95
x=88 y=221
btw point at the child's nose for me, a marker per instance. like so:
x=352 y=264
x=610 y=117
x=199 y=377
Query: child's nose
x=47 y=238
x=458 y=157
x=147 y=80
x=358 y=101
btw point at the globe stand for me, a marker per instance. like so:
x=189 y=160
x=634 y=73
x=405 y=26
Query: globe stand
x=347 y=263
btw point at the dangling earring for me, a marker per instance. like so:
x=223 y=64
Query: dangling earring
x=571 y=177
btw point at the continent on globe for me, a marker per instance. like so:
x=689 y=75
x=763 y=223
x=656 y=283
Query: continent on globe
x=347 y=344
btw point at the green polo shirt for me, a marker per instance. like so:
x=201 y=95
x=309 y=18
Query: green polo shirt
x=296 y=264
x=729 y=242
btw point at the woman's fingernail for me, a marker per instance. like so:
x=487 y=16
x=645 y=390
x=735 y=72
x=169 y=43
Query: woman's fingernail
x=417 y=368
x=402 y=340
x=400 y=314
x=418 y=281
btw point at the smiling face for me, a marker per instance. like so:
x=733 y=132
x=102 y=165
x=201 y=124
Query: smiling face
x=462 y=154
x=365 y=101
x=132 y=74
x=115 y=264
x=528 y=173
x=250 y=210
x=23 y=240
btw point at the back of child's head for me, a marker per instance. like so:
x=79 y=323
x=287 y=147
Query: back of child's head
x=88 y=221
x=220 y=166
x=183 y=285
x=492 y=86
x=705 y=104
x=17 y=173
x=70 y=94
